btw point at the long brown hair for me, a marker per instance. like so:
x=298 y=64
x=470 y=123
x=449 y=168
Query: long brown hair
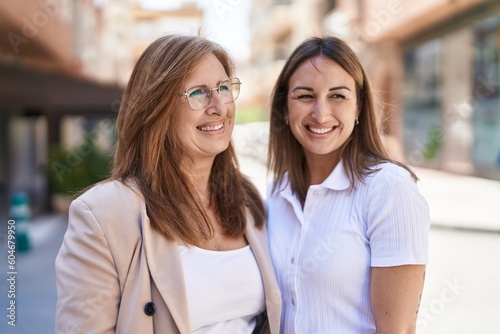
x=362 y=151
x=148 y=148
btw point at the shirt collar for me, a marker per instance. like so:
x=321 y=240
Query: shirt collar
x=337 y=180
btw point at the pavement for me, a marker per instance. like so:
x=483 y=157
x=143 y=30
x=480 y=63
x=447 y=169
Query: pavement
x=461 y=202
x=456 y=202
x=34 y=278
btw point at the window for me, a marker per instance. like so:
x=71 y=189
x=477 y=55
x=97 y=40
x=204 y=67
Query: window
x=486 y=97
x=422 y=105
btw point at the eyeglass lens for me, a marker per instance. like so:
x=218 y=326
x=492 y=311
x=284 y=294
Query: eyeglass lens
x=199 y=96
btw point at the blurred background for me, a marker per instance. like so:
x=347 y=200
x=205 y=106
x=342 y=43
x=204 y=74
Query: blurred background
x=434 y=64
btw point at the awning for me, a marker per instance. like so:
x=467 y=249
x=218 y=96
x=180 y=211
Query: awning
x=26 y=88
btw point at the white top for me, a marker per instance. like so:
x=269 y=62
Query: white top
x=322 y=254
x=224 y=289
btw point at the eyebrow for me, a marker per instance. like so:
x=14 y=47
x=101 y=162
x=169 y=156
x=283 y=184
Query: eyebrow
x=311 y=90
x=339 y=87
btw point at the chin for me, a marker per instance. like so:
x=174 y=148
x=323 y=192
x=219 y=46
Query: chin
x=219 y=149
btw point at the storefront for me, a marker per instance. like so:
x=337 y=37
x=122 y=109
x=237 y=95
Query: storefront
x=451 y=97
x=35 y=108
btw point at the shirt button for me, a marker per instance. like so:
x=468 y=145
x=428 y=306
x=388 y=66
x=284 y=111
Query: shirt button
x=293 y=302
x=315 y=193
x=292 y=260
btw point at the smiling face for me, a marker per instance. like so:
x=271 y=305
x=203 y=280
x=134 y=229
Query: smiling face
x=206 y=132
x=322 y=108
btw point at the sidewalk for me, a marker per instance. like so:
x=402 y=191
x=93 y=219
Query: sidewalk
x=461 y=202
x=35 y=282
x=455 y=201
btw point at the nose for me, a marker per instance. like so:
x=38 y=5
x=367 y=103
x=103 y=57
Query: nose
x=216 y=106
x=320 y=112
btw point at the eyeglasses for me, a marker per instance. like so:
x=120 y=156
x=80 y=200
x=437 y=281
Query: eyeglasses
x=199 y=96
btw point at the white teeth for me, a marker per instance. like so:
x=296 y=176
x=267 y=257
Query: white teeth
x=211 y=128
x=320 y=131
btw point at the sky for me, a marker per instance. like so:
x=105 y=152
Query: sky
x=226 y=22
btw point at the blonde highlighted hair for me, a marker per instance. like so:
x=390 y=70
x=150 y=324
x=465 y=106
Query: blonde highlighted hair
x=148 y=147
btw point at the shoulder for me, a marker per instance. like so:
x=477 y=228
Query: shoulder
x=393 y=185
x=110 y=193
x=388 y=180
x=389 y=173
x=110 y=201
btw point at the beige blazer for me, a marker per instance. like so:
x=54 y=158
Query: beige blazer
x=112 y=264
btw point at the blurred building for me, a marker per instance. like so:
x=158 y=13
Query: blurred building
x=44 y=79
x=434 y=64
x=63 y=67
x=150 y=24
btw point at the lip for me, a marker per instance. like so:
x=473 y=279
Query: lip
x=211 y=127
x=320 y=131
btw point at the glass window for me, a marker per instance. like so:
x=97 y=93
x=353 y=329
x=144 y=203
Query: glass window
x=486 y=97
x=422 y=105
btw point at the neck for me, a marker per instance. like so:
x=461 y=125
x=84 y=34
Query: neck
x=198 y=173
x=319 y=167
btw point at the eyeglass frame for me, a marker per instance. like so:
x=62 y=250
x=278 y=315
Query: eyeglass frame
x=185 y=94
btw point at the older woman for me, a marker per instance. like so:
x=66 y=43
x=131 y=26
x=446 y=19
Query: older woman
x=175 y=240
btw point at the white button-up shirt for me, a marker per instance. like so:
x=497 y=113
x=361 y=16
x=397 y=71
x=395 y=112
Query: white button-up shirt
x=323 y=252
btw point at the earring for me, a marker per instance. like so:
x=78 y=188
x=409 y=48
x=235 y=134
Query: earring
x=286 y=121
x=357 y=121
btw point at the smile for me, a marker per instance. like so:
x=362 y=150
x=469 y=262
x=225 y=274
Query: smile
x=320 y=130
x=211 y=127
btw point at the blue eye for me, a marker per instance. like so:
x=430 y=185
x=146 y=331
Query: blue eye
x=224 y=88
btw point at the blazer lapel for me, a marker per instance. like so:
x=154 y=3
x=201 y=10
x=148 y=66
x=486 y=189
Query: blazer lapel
x=165 y=266
x=257 y=239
